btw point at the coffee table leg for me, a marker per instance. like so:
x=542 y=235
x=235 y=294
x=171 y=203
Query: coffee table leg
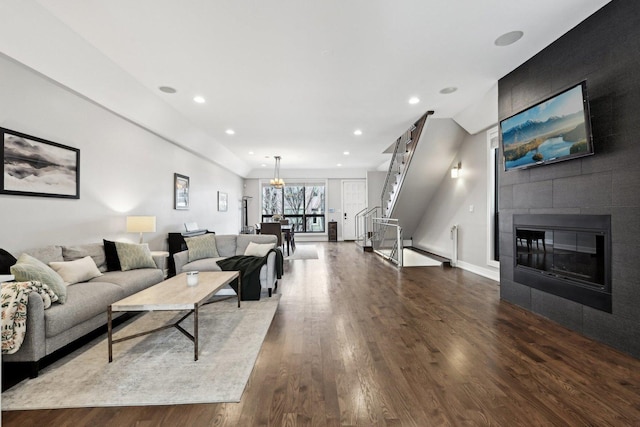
x=239 y=288
x=110 y=332
x=195 y=331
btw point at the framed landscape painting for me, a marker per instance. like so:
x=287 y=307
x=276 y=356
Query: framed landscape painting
x=180 y=191
x=33 y=166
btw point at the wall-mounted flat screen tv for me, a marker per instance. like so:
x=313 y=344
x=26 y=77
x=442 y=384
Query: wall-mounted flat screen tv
x=553 y=130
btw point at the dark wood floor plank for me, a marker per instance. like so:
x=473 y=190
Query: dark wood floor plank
x=355 y=342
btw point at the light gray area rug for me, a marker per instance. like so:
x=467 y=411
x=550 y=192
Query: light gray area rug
x=304 y=252
x=156 y=369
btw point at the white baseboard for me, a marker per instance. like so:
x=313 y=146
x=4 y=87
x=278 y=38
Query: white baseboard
x=484 y=272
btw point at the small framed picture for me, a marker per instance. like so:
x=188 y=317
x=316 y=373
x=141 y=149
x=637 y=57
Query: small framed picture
x=222 y=201
x=33 y=166
x=181 y=191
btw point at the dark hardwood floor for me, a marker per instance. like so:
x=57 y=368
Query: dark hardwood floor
x=355 y=342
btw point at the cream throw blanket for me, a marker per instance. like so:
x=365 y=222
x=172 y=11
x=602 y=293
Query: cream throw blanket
x=14 y=298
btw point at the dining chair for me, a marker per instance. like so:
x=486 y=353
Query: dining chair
x=274 y=228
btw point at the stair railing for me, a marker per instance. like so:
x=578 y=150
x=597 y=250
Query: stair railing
x=387 y=239
x=364 y=225
x=400 y=160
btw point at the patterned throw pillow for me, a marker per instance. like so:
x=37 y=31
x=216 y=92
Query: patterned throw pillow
x=202 y=247
x=134 y=256
x=29 y=268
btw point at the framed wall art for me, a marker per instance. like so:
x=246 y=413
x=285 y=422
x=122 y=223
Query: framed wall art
x=180 y=191
x=222 y=201
x=33 y=166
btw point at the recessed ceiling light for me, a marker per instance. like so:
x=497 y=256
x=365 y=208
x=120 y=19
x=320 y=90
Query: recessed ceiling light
x=167 y=89
x=339 y=164
x=346 y=153
x=263 y=165
x=357 y=132
x=508 y=38
x=251 y=153
x=230 y=132
x=448 y=90
x=414 y=100
x=199 y=99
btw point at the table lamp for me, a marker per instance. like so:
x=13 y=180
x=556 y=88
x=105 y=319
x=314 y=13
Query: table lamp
x=141 y=224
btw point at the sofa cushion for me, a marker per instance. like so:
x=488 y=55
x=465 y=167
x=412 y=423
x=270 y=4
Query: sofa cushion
x=226 y=245
x=202 y=247
x=133 y=256
x=244 y=240
x=111 y=256
x=6 y=261
x=94 y=250
x=29 y=268
x=84 y=301
x=47 y=254
x=79 y=270
x=257 y=249
x=131 y=281
x=206 y=264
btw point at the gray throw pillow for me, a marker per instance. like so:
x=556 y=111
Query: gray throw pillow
x=134 y=256
x=202 y=247
x=29 y=268
x=94 y=250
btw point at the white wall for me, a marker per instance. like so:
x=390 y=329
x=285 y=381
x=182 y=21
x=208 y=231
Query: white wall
x=452 y=204
x=375 y=184
x=124 y=170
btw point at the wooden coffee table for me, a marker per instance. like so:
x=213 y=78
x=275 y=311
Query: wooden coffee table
x=174 y=295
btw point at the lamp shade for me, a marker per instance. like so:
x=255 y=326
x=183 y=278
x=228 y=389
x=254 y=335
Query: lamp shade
x=141 y=224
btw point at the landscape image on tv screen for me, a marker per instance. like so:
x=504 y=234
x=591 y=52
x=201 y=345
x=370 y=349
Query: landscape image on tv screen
x=553 y=130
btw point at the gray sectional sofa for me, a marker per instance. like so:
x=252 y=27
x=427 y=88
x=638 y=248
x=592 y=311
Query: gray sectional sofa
x=230 y=245
x=86 y=303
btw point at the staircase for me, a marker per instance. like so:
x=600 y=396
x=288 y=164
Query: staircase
x=431 y=144
x=400 y=160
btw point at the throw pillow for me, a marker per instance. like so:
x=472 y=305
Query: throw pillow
x=79 y=270
x=202 y=247
x=29 y=268
x=94 y=250
x=133 y=256
x=257 y=249
x=111 y=254
x=6 y=261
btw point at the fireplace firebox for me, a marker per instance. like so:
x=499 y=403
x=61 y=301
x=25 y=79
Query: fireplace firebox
x=565 y=255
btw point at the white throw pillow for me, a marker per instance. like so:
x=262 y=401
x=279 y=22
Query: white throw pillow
x=257 y=249
x=79 y=270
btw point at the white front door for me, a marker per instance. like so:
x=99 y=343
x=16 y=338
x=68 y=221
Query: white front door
x=354 y=199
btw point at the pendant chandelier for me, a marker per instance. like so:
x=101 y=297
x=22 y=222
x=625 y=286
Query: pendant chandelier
x=277 y=182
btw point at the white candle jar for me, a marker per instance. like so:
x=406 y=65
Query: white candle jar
x=192 y=278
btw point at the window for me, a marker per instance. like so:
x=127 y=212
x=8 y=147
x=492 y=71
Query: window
x=303 y=204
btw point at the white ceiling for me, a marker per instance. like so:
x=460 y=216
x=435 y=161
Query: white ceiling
x=291 y=77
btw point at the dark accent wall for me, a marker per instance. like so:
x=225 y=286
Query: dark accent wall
x=604 y=50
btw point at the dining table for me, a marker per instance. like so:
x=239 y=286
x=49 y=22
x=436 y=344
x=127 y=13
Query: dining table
x=289 y=236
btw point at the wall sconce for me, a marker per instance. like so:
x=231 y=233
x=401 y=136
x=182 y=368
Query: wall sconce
x=141 y=224
x=455 y=171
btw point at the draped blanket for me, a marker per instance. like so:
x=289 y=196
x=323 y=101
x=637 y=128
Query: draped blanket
x=14 y=299
x=249 y=268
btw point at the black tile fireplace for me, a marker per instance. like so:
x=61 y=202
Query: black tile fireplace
x=565 y=255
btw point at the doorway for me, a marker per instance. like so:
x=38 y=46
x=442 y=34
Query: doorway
x=354 y=200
